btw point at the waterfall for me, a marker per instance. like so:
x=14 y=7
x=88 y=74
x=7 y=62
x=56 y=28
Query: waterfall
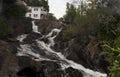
x=50 y=54
x=21 y=37
x=35 y=27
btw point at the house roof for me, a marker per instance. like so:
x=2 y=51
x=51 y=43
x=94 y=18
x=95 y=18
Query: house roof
x=36 y=7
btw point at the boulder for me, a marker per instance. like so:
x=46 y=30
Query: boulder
x=48 y=69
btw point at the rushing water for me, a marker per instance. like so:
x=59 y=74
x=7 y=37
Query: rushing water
x=50 y=54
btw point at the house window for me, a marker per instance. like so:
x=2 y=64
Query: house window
x=35 y=15
x=29 y=15
x=35 y=9
x=41 y=15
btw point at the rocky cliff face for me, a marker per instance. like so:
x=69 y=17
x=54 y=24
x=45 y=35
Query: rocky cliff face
x=13 y=66
x=36 y=54
x=8 y=61
x=83 y=49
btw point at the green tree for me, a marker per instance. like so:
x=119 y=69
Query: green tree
x=43 y=3
x=5 y=28
x=70 y=13
x=10 y=10
x=98 y=17
x=15 y=10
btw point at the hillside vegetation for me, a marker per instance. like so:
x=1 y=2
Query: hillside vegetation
x=10 y=11
x=43 y=3
x=100 y=19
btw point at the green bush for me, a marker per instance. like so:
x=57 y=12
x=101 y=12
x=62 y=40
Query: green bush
x=5 y=28
x=71 y=32
x=114 y=69
x=9 y=1
x=15 y=10
x=43 y=3
x=112 y=53
x=103 y=23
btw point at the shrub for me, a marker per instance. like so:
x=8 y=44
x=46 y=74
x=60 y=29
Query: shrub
x=15 y=10
x=5 y=28
x=71 y=32
x=113 y=57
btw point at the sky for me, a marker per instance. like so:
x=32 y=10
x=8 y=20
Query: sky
x=58 y=7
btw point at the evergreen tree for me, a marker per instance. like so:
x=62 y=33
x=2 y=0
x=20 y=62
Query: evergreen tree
x=70 y=13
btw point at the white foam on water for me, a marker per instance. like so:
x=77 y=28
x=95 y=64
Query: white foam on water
x=51 y=37
x=71 y=63
x=26 y=50
x=21 y=37
x=35 y=27
x=43 y=45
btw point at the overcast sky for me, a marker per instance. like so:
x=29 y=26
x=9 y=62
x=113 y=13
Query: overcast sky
x=58 y=7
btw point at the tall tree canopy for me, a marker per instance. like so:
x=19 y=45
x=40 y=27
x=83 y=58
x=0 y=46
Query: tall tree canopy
x=43 y=3
x=102 y=20
x=10 y=10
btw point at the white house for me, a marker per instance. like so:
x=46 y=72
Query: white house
x=36 y=12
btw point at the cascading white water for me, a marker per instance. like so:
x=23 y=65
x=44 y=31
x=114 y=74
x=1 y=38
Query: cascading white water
x=51 y=38
x=71 y=63
x=35 y=27
x=26 y=50
x=21 y=37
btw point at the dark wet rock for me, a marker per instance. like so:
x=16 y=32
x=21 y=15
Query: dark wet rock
x=32 y=37
x=48 y=69
x=45 y=40
x=27 y=72
x=25 y=66
x=1 y=61
x=83 y=49
x=24 y=61
x=8 y=62
x=85 y=53
x=73 y=73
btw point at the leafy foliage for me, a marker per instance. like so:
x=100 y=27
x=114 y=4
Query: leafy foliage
x=114 y=69
x=10 y=10
x=98 y=17
x=113 y=56
x=71 y=12
x=15 y=10
x=71 y=32
x=42 y=3
x=9 y=1
x=5 y=28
